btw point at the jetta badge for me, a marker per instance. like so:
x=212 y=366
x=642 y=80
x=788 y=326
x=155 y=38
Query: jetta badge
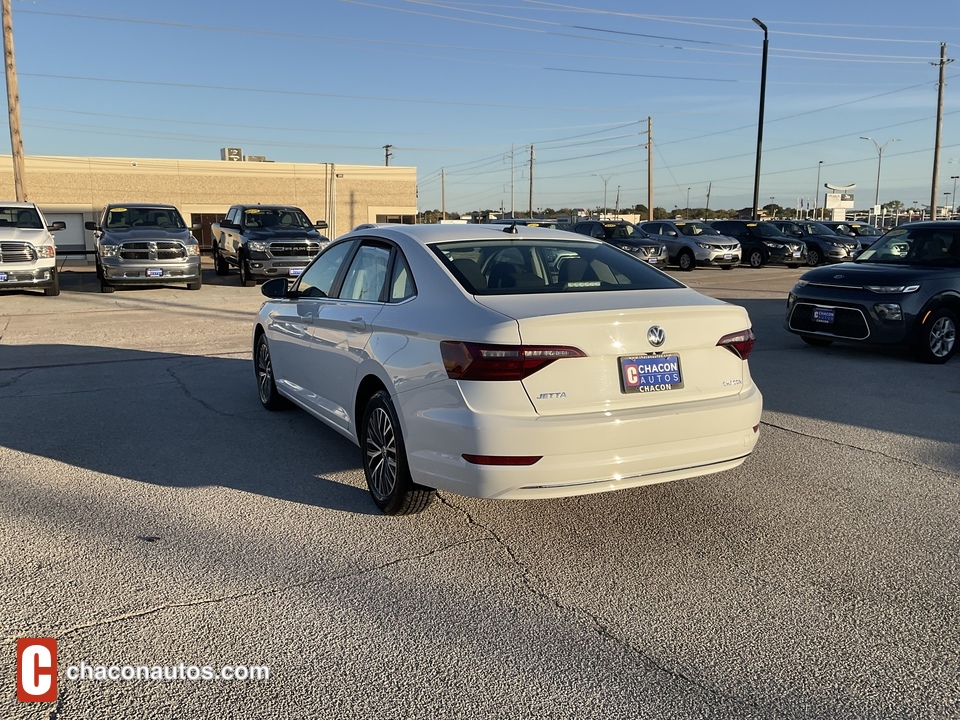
x=656 y=336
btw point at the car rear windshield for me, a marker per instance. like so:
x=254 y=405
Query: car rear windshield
x=915 y=246
x=512 y=267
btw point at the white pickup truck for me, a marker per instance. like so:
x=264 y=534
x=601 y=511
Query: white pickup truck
x=28 y=251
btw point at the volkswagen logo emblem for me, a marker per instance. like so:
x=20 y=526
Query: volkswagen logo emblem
x=656 y=336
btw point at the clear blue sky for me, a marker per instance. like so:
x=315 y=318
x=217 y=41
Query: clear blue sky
x=455 y=85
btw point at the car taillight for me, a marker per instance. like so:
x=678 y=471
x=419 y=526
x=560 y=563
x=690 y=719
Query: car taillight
x=739 y=343
x=473 y=361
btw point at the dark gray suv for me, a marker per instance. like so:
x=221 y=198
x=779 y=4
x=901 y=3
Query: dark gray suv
x=763 y=244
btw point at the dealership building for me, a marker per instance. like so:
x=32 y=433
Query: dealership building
x=74 y=189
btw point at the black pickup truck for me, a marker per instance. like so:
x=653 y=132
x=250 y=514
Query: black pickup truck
x=265 y=241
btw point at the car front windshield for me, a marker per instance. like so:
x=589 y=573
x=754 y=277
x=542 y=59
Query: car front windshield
x=621 y=231
x=765 y=230
x=813 y=228
x=915 y=246
x=282 y=218
x=697 y=229
x=514 y=267
x=132 y=217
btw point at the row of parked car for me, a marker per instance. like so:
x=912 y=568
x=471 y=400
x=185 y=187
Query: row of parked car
x=688 y=244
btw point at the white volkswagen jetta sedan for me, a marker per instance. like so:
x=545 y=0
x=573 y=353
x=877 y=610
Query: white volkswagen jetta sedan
x=507 y=362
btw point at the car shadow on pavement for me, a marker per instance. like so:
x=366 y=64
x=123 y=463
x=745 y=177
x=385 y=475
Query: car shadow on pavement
x=174 y=420
x=876 y=388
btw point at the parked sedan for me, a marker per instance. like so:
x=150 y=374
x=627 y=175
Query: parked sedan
x=507 y=363
x=903 y=290
x=823 y=244
x=626 y=236
x=693 y=242
x=763 y=243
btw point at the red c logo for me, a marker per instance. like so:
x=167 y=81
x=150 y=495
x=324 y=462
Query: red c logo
x=36 y=669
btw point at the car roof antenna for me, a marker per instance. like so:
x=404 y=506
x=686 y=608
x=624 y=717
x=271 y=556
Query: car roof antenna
x=512 y=228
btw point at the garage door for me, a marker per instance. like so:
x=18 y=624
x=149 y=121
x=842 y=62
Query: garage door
x=72 y=238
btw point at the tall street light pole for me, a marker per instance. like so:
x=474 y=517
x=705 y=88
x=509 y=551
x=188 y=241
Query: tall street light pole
x=816 y=192
x=605 y=181
x=953 y=197
x=687 y=211
x=880 y=149
x=763 y=93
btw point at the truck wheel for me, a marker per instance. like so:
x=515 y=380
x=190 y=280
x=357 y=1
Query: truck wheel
x=246 y=277
x=196 y=284
x=105 y=287
x=220 y=266
x=54 y=288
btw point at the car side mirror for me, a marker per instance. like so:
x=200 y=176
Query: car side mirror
x=229 y=224
x=321 y=225
x=276 y=289
x=89 y=225
x=197 y=226
x=672 y=233
x=58 y=225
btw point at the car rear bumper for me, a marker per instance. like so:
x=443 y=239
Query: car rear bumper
x=585 y=453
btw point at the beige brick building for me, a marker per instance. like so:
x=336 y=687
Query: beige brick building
x=73 y=189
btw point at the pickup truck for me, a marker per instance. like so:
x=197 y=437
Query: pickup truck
x=145 y=244
x=265 y=241
x=28 y=252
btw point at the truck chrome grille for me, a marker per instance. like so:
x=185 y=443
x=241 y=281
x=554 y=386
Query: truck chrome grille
x=294 y=249
x=17 y=252
x=159 y=250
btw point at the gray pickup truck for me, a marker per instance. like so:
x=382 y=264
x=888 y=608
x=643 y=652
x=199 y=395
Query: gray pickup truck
x=28 y=253
x=265 y=241
x=145 y=244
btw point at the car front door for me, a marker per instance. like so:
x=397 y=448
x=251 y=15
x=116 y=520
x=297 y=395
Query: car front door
x=290 y=329
x=341 y=331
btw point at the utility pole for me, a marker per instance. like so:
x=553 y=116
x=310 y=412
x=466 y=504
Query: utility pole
x=513 y=214
x=443 y=194
x=763 y=93
x=531 y=181
x=649 y=168
x=13 y=103
x=936 y=145
x=706 y=210
x=387 y=154
x=816 y=192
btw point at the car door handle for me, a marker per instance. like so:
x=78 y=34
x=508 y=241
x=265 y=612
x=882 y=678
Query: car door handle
x=357 y=324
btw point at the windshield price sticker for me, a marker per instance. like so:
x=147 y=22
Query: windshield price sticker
x=650 y=373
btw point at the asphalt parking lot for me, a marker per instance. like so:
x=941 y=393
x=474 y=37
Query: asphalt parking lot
x=154 y=514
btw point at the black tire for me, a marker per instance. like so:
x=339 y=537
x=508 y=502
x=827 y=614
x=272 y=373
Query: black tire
x=813 y=257
x=686 y=261
x=756 y=259
x=220 y=266
x=246 y=277
x=937 y=339
x=196 y=284
x=385 y=461
x=816 y=341
x=270 y=398
x=54 y=288
x=105 y=287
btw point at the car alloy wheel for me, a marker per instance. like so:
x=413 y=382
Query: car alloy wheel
x=813 y=257
x=756 y=259
x=385 y=461
x=938 y=337
x=246 y=277
x=686 y=260
x=270 y=398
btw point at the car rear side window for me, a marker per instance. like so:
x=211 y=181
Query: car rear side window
x=367 y=274
x=514 y=267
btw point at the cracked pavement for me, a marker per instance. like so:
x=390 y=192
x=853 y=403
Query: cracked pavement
x=154 y=514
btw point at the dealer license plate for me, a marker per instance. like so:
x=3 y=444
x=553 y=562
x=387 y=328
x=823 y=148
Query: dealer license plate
x=295 y=272
x=728 y=256
x=650 y=373
x=823 y=315
x=652 y=261
x=796 y=253
x=154 y=272
x=3 y=277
